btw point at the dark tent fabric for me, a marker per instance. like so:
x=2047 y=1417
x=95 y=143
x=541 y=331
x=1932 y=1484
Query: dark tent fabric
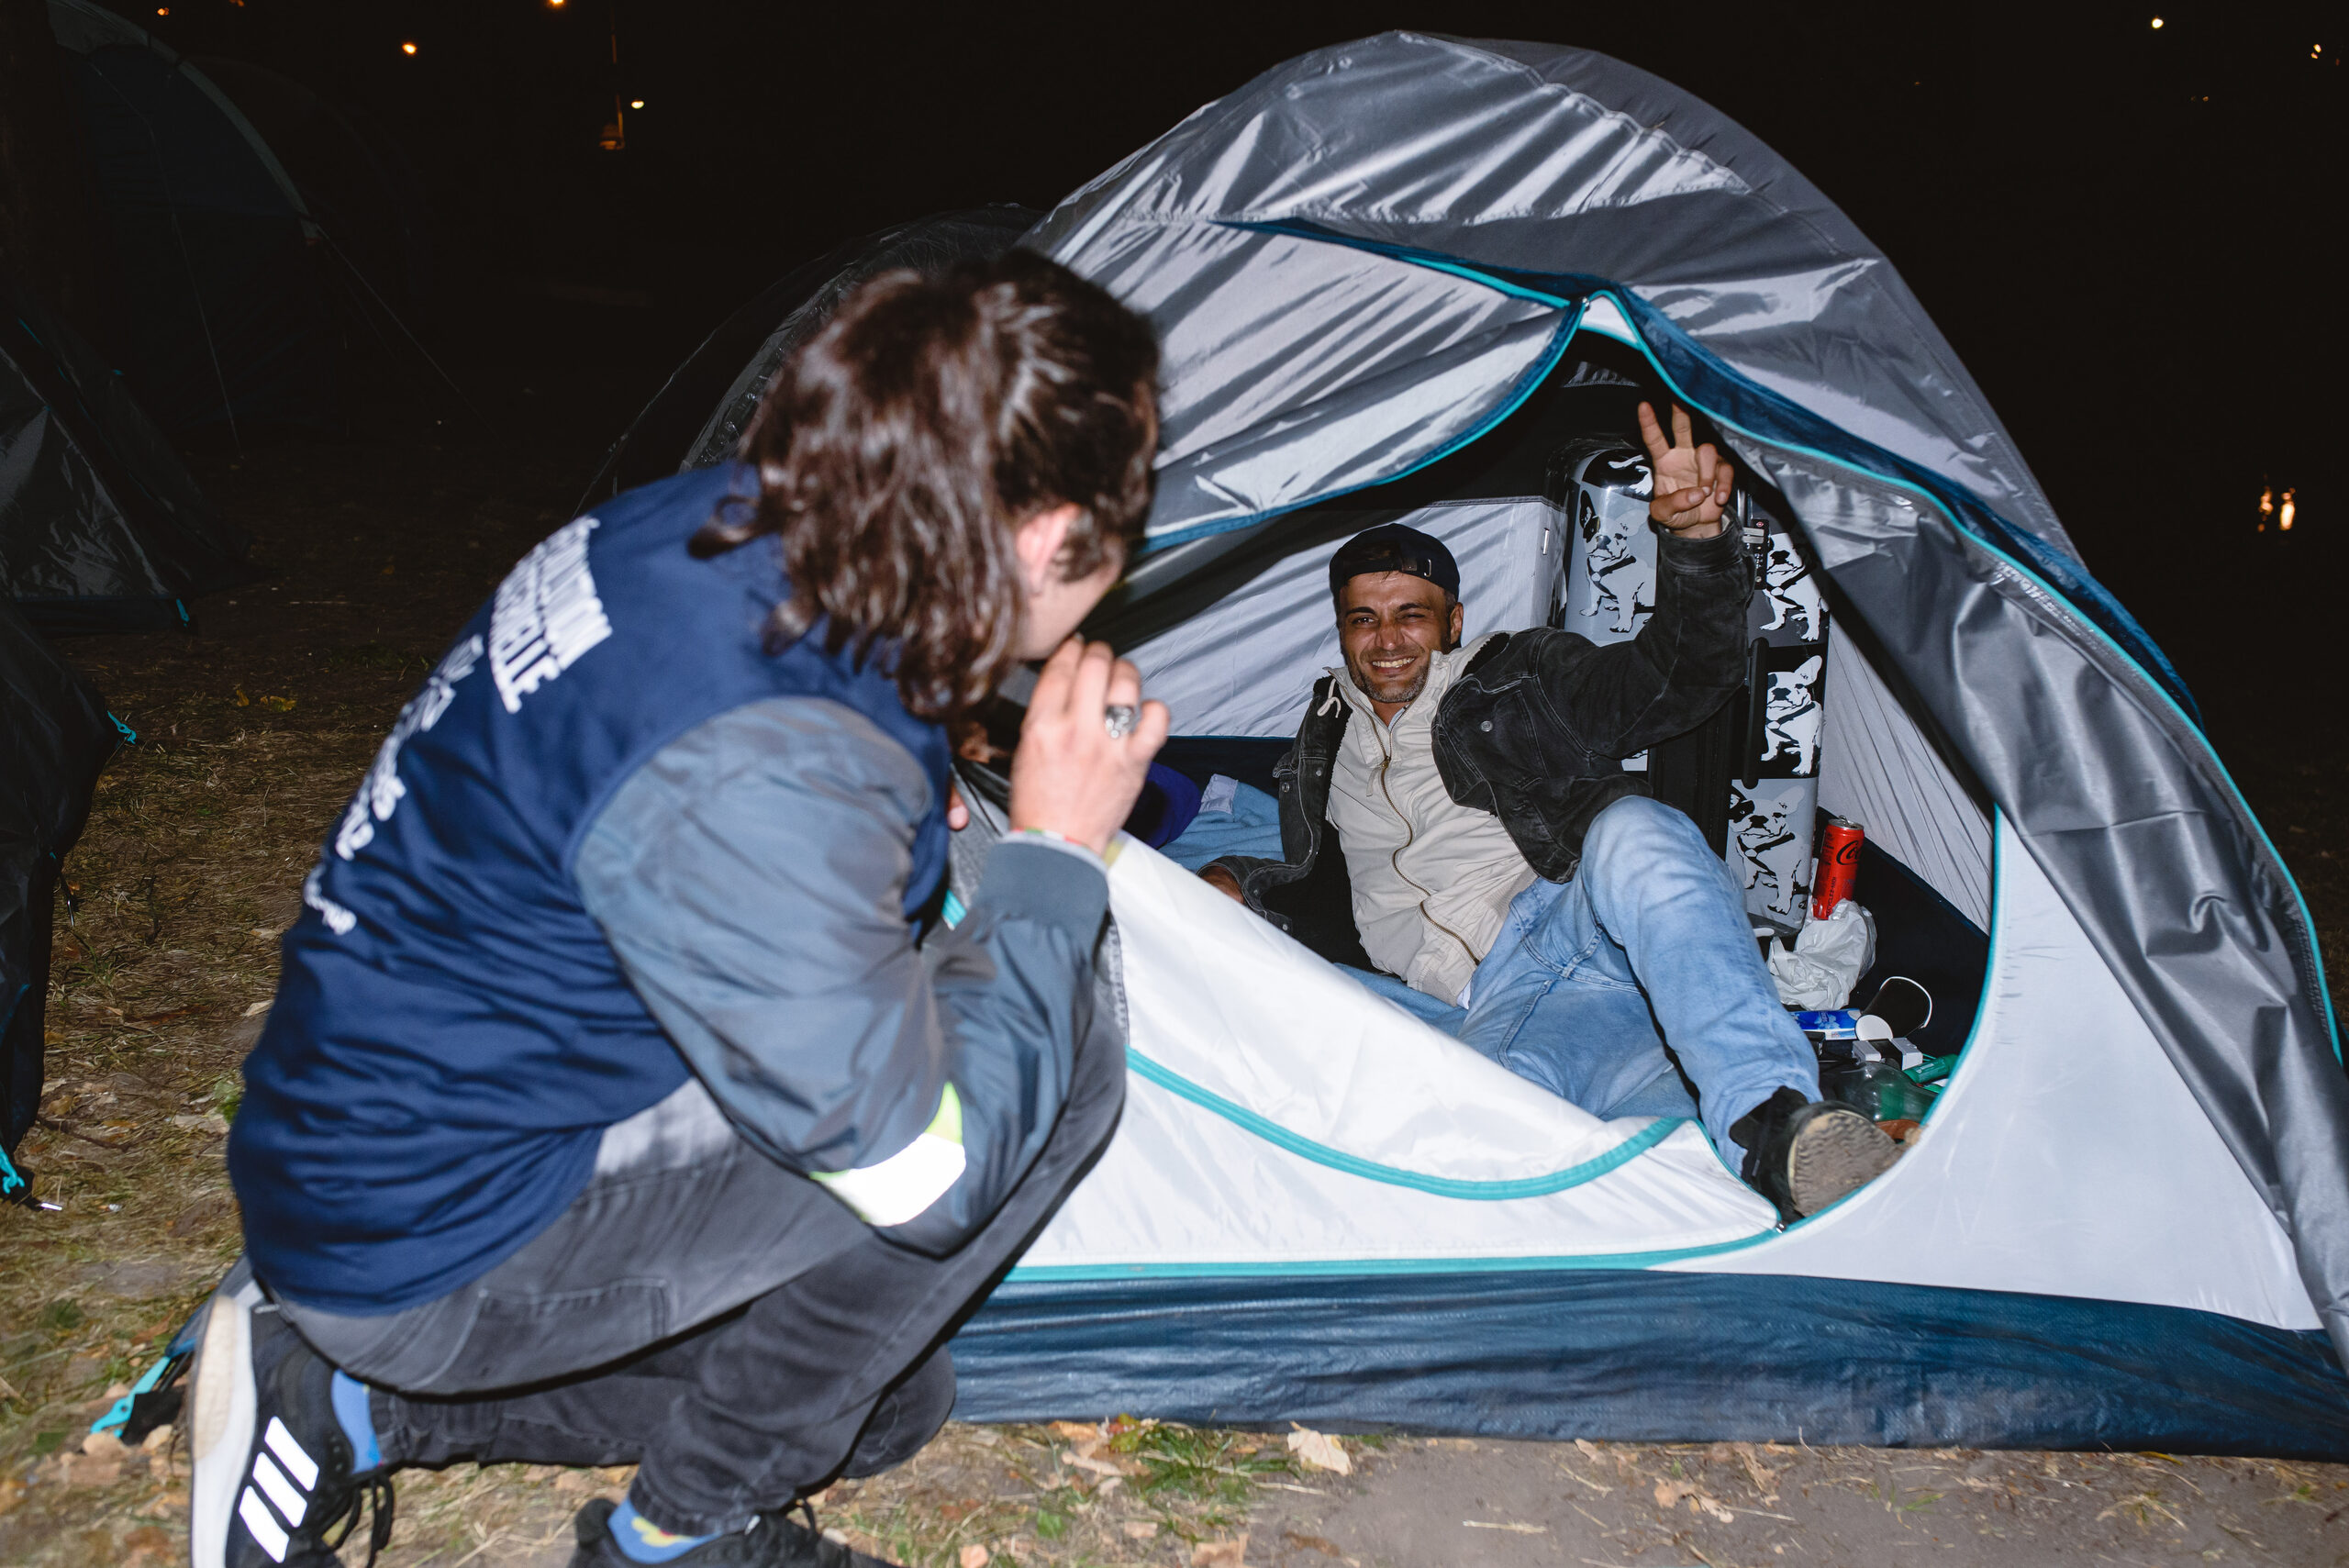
x=698 y=416
x=59 y=735
x=226 y=317
x=101 y=527
x=367 y=199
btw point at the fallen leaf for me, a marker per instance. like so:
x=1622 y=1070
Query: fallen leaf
x=157 y=1440
x=105 y=1445
x=1232 y=1553
x=1098 y=1466
x=262 y=1005
x=1714 y=1508
x=13 y=1493
x=1760 y=1474
x=1074 y=1431
x=1669 y=1492
x=87 y=1470
x=974 y=1556
x=1320 y=1451
x=1589 y=1449
x=1321 y=1544
x=260 y=931
x=1140 y=1529
x=145 y=1545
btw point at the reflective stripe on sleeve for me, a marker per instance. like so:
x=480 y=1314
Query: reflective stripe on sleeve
x=896 y=1189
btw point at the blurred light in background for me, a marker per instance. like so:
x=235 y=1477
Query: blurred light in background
x=2284 y=512
x=408 y=49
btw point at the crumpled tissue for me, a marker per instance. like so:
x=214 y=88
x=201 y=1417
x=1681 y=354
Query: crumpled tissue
x=1828 y=959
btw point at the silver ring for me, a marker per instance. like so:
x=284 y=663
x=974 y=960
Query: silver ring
x=1119 y=718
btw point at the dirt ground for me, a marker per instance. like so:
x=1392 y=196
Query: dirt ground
x=251 y=735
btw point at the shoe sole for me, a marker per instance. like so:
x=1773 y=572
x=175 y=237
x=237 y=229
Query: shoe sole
x=1835 y=1156
x=221 y=1406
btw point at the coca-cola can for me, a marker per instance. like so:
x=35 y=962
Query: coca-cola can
x=1839 y=865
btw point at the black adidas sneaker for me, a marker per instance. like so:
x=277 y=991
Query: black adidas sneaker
x=274 y=1484
x=1805 y=1154
x=774 y=1540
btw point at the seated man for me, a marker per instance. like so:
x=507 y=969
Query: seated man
x=1493 y=854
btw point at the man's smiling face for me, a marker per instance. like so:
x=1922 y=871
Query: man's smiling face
x=1390 y=626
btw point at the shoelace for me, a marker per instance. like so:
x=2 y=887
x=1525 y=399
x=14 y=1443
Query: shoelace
x=374 y=1493
x=827 y=1550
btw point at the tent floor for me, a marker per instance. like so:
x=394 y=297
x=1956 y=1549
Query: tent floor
x=1655 y=1356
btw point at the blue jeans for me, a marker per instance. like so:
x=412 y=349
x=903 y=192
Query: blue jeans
x=1588 y=979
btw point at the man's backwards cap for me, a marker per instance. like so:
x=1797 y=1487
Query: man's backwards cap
x=1391 y=547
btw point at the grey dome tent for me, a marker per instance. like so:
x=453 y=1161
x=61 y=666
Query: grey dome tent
x=101 y=526
x=1387 y=275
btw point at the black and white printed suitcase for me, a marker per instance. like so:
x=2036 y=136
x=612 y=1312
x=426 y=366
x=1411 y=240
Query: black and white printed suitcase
x=1750 y=776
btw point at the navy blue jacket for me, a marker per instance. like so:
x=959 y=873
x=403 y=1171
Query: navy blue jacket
x=454 y=1030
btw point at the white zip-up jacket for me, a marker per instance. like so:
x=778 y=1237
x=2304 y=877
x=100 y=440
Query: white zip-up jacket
x=1432 y=879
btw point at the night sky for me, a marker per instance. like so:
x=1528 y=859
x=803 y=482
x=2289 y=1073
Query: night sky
x=2127 y=233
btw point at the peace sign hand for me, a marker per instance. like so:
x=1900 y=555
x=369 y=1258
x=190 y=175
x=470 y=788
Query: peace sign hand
x=1692 y=485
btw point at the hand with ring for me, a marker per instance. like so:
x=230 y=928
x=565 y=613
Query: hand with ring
x=1084 y=747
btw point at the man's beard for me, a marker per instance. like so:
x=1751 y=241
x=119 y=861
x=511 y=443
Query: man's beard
x=1417 y=686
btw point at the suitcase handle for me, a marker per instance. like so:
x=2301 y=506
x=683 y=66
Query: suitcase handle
x=1757 y=709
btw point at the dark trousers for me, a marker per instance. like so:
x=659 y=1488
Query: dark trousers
x=703 y=1313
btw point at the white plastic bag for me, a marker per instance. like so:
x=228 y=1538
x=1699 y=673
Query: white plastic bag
x=1827 y=959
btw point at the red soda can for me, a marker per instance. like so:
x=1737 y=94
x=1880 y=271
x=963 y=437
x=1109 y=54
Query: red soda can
x=1839 y=865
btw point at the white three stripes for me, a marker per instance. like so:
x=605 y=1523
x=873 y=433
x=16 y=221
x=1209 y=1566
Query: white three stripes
x=280 y=1490
x=289 y=1497
x=297 y=1460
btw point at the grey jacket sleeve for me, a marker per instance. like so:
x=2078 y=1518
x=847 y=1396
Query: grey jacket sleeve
x=751 y=878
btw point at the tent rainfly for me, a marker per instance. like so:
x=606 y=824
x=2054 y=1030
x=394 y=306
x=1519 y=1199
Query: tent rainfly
x=1410 y=277
x=102 y=528
x=59 y=735
x=227 y=320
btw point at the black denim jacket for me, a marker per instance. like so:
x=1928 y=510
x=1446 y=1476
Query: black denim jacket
x=1533 y=730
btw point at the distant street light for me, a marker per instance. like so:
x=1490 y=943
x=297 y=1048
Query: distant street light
x=2157 y=24
x=408 y=49
x=636 y=103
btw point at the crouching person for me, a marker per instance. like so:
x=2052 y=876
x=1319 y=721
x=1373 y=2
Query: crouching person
x=1457 y=828
x=615 y=1107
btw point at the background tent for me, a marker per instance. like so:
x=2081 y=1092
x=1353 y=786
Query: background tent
x=700 y=413
x=101 y=528
x=1383 y=275
x=357 y=186
x=58 y=736
x=229 y=283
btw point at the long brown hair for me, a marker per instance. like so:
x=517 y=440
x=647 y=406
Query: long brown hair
x=900 y=447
